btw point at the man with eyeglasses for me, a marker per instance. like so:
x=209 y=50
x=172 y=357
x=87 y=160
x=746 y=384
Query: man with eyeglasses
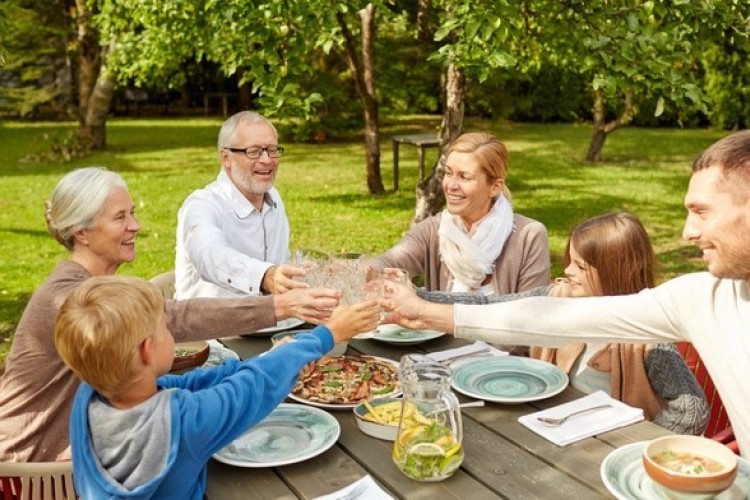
x=233 y=235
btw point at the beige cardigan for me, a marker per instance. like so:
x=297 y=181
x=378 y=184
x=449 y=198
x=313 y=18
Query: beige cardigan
x=523 y=264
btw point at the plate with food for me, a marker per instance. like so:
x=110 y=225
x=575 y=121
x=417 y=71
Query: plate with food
x=284 y=324
x=379 y=418
x=189 y=355
x=509 y=379
x=339 y=382
x=623 y=474
x=291 y=433
x=396 y=334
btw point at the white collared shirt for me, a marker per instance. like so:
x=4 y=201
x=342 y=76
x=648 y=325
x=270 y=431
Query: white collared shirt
x=224 y=244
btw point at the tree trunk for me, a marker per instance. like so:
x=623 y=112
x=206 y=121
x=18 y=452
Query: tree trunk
x=430 y=197
x=95 y=86
x=365 y=80
x=245 y=92
x=602 y=128
x=92 y=134
x=89 y=58
x=594 y=154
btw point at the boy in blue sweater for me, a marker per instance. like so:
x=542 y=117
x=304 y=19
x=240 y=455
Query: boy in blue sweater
x=138 y=433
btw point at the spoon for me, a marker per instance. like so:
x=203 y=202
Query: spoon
x=554 y=422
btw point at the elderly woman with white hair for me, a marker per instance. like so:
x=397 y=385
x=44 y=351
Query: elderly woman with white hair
x=92 y=215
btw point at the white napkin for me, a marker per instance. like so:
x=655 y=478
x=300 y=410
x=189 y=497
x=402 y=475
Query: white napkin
x=369 y=490
x=476 y=347
x=586 y=424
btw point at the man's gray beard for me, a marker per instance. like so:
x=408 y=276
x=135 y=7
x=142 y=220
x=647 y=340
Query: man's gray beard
x=256 y=187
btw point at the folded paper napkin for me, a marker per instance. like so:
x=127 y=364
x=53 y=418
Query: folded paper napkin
x=362 y=489
x=467 y=350
x=586 y=424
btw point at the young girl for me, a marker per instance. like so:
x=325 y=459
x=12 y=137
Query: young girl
x=612 y=255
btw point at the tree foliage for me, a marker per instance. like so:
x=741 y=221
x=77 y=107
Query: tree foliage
x=3 y=31
x=726 y=72
x=268 y=41
x=674 y=57
x=37 y=75
x=637 y=52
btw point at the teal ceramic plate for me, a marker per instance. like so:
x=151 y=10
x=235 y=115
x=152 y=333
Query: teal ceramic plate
x=624 y=476
x=395 y=334
x=509 y=379
x=290 y=434
x=284 y=324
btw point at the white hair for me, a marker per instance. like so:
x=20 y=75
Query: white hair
x=78 y=199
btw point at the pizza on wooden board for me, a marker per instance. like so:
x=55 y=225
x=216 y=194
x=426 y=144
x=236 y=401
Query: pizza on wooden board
x=346 y=379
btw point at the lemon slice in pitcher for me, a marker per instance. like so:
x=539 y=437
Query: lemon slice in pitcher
x=427 y=450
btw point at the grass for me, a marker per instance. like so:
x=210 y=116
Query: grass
x=645 y=171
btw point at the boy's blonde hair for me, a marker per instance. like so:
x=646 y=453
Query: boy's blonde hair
x=101 y=326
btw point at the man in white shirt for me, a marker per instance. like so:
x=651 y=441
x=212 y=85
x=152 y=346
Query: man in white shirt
x=710 y=309
x=233 y=235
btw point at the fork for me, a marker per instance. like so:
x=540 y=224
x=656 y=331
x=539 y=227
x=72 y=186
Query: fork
x=471 y=354
x=354 y=493
x=554 y=422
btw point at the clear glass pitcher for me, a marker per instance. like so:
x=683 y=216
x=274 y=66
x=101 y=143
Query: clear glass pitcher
x=428 y=445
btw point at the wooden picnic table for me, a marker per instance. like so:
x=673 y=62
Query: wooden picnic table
x=503 y=458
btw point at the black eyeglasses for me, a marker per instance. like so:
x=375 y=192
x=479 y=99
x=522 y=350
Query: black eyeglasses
x=256 y=152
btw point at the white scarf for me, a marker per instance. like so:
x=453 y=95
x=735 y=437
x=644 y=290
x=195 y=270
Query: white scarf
x=471 y=258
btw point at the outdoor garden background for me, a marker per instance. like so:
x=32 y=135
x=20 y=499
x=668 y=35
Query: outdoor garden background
x=602 y=105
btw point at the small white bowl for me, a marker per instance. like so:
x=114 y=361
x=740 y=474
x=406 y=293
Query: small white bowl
x=374 y=429
x=338 y=349
x=684 y=485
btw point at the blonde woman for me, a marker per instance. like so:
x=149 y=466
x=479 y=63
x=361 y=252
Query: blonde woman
x=478 y=243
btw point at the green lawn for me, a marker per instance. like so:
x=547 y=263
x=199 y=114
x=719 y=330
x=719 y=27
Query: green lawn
x=645 y=171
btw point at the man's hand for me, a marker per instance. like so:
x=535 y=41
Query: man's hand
x=402 y=305
x=312 y=305
x=280 y=279
x=404 y=308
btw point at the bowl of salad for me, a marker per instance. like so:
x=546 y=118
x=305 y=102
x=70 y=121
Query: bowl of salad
x=189 y=354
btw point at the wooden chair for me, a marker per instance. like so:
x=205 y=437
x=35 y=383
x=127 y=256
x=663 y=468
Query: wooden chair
x=726 y=437
x=36 y=481
x=165 y=283
x=718 y=427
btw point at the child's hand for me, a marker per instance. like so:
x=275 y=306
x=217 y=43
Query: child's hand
x=348 y=321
